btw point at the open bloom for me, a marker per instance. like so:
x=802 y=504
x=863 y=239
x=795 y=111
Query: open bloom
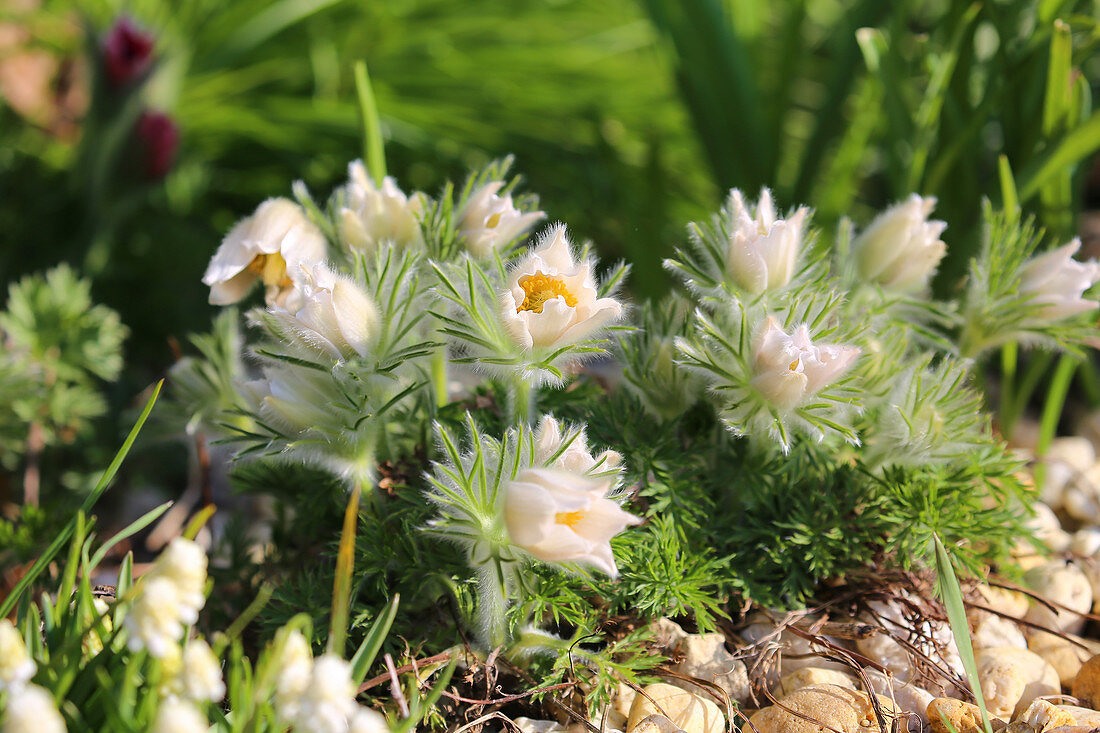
x=763 y=250
x=200 y=677
x=790 y=369
x=337 y=318
x=1056 y=282
x=575 y=456
x=551 y=301
x=270 y=246
x=488 y=221
x=375 y=215
x=32 y=710
x=16 y=665
x=563 y=516
x=901 y=249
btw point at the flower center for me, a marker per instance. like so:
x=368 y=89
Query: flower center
x=569 y=519
x=492 y=221
x=271 y=269
x=539 y=288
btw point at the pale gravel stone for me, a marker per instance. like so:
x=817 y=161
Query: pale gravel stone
x=1065 y=584
x=1011 y=678
x=691 y=713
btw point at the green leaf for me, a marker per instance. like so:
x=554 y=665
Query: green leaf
x=368 y=650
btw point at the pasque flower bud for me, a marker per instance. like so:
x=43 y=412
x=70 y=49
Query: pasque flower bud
x=1056 y=282
x=901 y=249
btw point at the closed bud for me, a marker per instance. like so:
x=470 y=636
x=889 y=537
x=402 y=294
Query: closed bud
x=901 y=249
x=1055 y=281
x=763 y=249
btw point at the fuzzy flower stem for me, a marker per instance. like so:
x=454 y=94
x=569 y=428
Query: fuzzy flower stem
x=523 y=402
x=439 y=378
x=345 y=561
x=492 y=591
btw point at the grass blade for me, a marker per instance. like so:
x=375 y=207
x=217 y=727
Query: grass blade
x=368 y=650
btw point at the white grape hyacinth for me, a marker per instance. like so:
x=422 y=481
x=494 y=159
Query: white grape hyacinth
x=295 y=667
x=791 y=368
x=31 y=709
x=763 y=249
x=269 y=246
x=901 y=248
x=376 y=215
x=169 y=597
x=551 y=300
x=488 y=221
x=561 y=516
x=337 y=318
x=16 y=666
x=1056 y=282
x=200 y=678
x=366 y=720
x=176 y=715
x=328 y=702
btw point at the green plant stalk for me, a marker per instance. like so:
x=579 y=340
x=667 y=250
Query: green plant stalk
x=345 y=565
x=375 y=156
x=104 y=482
x=1009 y=355
x=439 y=378
x=492 y=604
x=523 y=402
x=1052 y=409
x=951 y=593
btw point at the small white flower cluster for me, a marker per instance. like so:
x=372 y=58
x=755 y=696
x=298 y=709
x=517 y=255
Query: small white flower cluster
x=318 y=695
x=194 y=674
x=169 y=598
x=30 y=708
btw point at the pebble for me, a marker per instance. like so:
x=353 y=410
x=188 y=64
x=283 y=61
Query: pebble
x=1065 y=458
x=687 y=711
x=1044 y=526
x=1062 y=583
x=529 y=725
x=655 y=724
x=988 y=630
x=1082 y=716
x=808 y=676
x=883 y=649
x=1011 y=678
x=1041 y=716
x=841 y=709
x=1063 y=654
x=706 y=657
x=1009 y=602
x=1085 y=543
x=909 y=699
x=963 y=716
x=1086 y=686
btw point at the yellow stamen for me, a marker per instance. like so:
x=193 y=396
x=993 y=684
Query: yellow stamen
x=492 y=221
x=793 y=365
x=540 y=288
x=271 y=269
x=569 y=519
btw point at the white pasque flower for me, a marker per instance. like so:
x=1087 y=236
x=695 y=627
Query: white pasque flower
x=575 y=457
x=901 y=248
x=763 y=250
x=179 y=716
x=789 y=369
x=328 y=703
x=487 y=221
x=271 y=245
x=551 y=300
x=563 y=516
x=337 y=318
x=16 y=665
x=375 y=215
x=294 y=400
x=1056 y=282
x=31 y=709
x=169 y=597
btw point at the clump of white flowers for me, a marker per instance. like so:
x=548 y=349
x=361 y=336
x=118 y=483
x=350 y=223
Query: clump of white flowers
x=176 y=715
x=16 y=666
x=168 y=598
x=763 y=249
x=790 y=368
x=31 y=709
x=194 y=674
x=318 y=695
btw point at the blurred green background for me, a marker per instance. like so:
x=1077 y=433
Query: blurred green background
x=629 y=117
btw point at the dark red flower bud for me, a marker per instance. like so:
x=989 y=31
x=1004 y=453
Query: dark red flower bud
x=159 y=137
x=127 y=52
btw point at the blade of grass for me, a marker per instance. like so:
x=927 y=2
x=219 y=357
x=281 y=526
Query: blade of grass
x=104 y=482
x=373 y=150
x=951 y=594
x=345 y=565
x=131 y=529
x=368 y=650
